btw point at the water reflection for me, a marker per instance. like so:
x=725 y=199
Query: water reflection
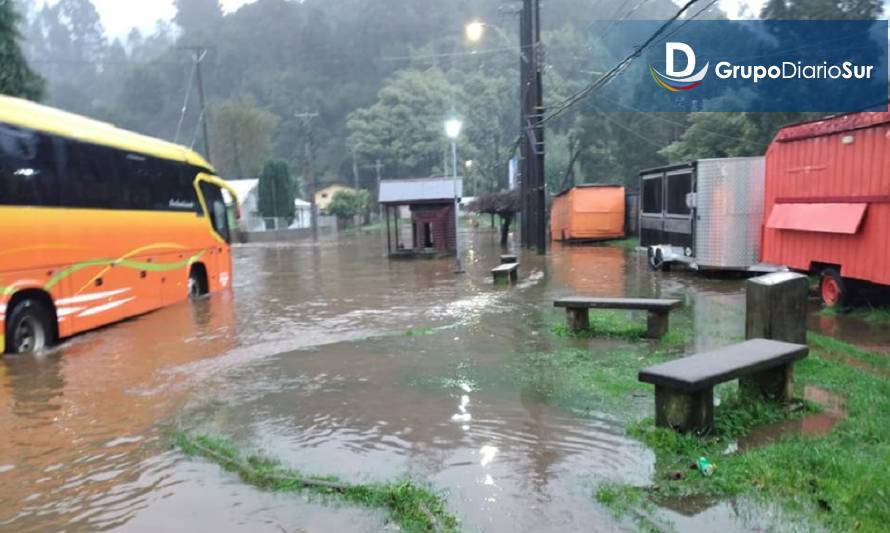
x=310 y=360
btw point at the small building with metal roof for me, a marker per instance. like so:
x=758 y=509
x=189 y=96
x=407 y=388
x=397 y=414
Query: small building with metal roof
x=431 y=203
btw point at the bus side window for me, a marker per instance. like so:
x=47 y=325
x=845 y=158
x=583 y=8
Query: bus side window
x=28 y=168
x=92 y=179
x=135 y=180
x=216 y=206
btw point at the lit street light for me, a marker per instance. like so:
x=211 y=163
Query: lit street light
x=453 y=127
x=475 y=30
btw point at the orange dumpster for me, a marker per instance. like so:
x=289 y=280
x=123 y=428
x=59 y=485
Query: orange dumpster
x=588 y=212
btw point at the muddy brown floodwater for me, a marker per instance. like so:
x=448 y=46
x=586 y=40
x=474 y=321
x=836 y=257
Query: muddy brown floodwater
x=338 y=361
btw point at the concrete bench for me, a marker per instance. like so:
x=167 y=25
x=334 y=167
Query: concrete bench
x=508 y=258
x=578 y=307
x=508 y=272
x=684 y=388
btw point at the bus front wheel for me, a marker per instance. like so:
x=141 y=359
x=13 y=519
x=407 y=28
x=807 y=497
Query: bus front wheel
x=29 y=328
x=197 y=282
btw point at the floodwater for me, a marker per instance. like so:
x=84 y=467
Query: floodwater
x=338 y=361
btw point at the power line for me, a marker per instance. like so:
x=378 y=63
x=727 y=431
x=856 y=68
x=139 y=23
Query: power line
x=617 y=69
x=185 y=103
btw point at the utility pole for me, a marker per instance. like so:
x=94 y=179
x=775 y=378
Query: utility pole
x=354 y=171
x=378 y=167
x=533 y=189
x=309 y=171
x=200 y=52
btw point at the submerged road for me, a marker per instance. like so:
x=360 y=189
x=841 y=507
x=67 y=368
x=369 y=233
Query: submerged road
x=340 y=362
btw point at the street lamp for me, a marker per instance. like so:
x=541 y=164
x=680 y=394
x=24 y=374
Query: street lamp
x=453 y=127
x=475 y=31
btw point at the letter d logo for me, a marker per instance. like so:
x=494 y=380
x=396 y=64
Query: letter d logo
x=682 y=80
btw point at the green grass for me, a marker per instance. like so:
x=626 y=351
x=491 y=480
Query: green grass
x=418 y=332
x=628 y=244
x=413 y=507
x=621 y=325
x=876 y=316
x=839 y=481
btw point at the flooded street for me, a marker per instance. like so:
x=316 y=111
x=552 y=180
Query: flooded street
x=341 y=362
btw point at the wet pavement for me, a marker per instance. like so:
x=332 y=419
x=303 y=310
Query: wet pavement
x=340 y=362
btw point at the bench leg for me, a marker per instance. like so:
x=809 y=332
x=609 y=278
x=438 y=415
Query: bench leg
x=774 y=384
x=577 y=320
x=514 y=275
x=657 y=325
x=684 y=411
x=498 y=278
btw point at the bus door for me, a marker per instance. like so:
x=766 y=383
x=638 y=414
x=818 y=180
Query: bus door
x=219 y=261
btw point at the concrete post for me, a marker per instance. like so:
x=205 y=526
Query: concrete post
x=776 y=309
x=577 y=319
x=657 y=324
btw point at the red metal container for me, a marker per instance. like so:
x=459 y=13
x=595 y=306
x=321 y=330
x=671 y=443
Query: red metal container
x=827 y=201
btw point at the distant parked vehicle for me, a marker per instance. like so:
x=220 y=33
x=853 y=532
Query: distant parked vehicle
x=706 y=214
x=827 y=202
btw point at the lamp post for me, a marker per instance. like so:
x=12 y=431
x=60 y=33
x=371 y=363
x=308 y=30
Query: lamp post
x=475 y=31
x=532 y=181
x=453 y=127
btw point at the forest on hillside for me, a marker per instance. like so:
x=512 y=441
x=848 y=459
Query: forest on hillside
x=381 y=77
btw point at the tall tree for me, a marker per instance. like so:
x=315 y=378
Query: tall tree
x=822 y=9
x=241 y=134
x=405 y=127
x=276 y=191
x=197 y=15
x=16 y=77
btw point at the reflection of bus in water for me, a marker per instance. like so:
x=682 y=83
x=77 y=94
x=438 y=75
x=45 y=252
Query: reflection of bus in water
x=99 y=224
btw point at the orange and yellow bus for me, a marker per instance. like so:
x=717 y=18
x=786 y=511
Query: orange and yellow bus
x=98 y=224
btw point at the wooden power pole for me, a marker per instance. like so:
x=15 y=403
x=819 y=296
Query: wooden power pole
x=200 y=52
x=309 y=170
x=533 y=184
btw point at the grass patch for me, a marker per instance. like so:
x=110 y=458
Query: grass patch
x=605 y=324
x=585 y=381
x=875 y=316
x=615 y=324
x=628 y=244
x=411 y=506
x=418 y=332
x=838 y=480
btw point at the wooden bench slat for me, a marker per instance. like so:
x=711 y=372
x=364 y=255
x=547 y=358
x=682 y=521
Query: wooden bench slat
x=642 y=304
x=508 y=267
x=707 y=369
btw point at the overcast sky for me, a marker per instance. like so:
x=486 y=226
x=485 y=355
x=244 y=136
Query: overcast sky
x=119 y=16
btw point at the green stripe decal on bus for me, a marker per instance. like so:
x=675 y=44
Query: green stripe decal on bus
x=135 y=265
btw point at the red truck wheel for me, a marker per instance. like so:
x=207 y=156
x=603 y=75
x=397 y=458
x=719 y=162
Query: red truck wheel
x=833 y=289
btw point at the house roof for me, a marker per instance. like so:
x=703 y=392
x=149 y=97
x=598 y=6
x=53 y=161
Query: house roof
x=406 y=191
x=243 y=187
x=334 y=186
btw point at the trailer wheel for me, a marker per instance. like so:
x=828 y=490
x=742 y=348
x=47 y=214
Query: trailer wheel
x=833 y=289
x=656 y=260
